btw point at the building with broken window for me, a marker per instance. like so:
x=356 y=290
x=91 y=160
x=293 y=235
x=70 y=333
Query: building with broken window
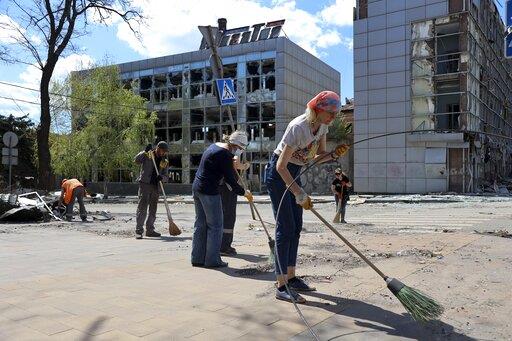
x=436 y=67
x=274 y=79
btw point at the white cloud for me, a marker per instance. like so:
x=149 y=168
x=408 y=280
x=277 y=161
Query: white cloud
x=341 y=13
x=172 y=25
x=30 y=78
x=9 y=30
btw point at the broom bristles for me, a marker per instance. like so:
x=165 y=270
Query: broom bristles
x=271 y=256
x=421 y=307
x=174 y=230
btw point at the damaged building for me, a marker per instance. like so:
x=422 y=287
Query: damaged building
x=437 y=68
x=274 y=78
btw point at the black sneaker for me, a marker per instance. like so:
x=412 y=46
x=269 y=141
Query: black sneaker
x=283 y=295
x=153 y=234
x=230 y=251
x=299 y=285
x=138 y=234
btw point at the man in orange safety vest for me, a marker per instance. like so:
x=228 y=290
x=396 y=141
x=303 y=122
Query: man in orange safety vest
x=72 y=189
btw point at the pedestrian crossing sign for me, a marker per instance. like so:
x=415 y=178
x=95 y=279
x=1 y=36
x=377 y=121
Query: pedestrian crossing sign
x=226 y=91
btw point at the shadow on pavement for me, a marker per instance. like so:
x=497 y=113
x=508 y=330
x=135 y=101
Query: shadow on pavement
x=383 y=320
x=93 y=328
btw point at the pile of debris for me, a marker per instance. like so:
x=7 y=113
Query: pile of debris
x=20 y=208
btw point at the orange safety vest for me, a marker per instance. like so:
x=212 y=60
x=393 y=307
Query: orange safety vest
x=67 y=187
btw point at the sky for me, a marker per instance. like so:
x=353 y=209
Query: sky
x=322 y=27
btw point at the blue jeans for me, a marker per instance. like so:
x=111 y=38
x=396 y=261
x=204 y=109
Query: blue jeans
x=289 y=221
x=207 y=229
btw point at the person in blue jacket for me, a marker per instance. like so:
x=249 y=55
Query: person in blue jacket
x=216 y=164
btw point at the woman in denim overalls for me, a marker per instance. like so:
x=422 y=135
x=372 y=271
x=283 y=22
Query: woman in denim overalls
x=303 y=141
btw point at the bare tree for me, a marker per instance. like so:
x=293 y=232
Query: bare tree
x=39 y=35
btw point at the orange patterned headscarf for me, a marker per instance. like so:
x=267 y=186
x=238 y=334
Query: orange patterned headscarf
x=325 y=101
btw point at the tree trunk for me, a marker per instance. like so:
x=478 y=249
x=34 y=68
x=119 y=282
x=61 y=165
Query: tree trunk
x=45 y=174
x=105 y=188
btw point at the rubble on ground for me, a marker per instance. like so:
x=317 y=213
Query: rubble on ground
x=15 y=208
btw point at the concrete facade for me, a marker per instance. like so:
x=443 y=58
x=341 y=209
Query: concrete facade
x=275 y=78
x=411 y=163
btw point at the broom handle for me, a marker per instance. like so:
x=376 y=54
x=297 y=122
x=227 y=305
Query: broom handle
x=169 y=216
x=251 y=204
x=348 y=244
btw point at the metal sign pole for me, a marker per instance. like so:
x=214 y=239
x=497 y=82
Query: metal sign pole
x=10 y=164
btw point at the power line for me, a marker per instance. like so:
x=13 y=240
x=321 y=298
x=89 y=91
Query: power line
x=68 y=96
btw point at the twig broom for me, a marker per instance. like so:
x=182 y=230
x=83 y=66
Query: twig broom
x=421 y=307
x=174 y=230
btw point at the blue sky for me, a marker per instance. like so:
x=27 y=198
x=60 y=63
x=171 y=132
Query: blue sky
x=323 y=27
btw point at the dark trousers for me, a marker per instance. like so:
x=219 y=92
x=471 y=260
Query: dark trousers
x=229 y=200
x=148 y=196
x=289 y=220
x=341 y=206
x=78 y=194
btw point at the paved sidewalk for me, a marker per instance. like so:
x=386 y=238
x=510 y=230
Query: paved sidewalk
x=70 y=285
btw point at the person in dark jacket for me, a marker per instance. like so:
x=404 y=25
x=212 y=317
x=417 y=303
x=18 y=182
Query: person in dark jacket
x=340 y=188
x=216 y=164
x=229 y=203
x=148 y=186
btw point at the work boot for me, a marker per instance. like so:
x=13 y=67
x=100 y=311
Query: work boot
x=152 y=233
x=84 y=219
x=230 y=251
x=69 y=218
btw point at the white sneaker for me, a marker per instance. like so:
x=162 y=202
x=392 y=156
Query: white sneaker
x=285 y=296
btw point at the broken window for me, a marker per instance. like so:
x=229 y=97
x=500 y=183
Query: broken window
x=195 y=160
x=174 y=92
x=268 y=131
x=253 y=68
x=196 y=75
x=268 y=66
x=174 y=118
x=160 y=95
x=175 y=135
x=159 y=80
x=229 y=70
x=268 y=111
x=161 y=121
x=225 y=114
x=196 y=117
x=213 y=134
x=175 y=78
x=146 y=83
x=197 y=135
x=175 y=176
x=254 y=133
x=196 y=91
x=269 y=82
x=127 y=84
x=145 y=94
x=252 y=84
x=212 y=115
x=253 y=112
x=208 y=74
x=161 y=134
x=448 y=107
x=226 y=129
